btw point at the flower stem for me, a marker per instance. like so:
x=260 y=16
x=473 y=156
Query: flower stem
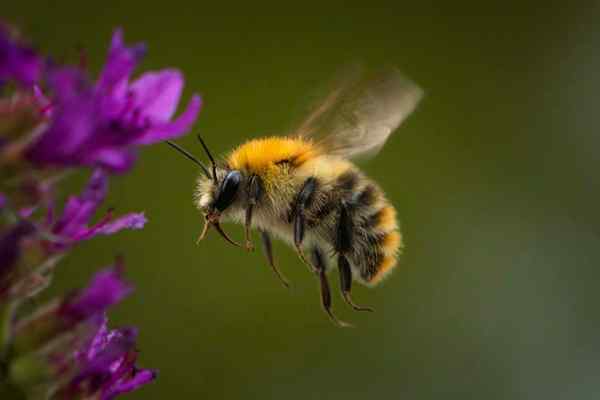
x=7 y=311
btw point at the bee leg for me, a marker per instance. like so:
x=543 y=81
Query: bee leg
x=299 y=236
x=319 y=262
x=346 y=283
x=248 y=244
x=255 y=191
x=204 y=231
x=343 y=245
x=303 y=200
x=268 y=248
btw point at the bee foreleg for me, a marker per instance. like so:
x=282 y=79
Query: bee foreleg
x=319 y=262
x=268 y=249
x=255 y=190
x=247 y=225
x=343 y=244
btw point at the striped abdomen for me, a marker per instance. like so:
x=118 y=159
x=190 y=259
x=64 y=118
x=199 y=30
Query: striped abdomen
x=377 y=239
x=373 y=234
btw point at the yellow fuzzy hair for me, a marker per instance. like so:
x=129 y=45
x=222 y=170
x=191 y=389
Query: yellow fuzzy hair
x=259 y=155
x=387 y=264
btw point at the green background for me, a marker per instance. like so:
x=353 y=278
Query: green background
x=495 y=179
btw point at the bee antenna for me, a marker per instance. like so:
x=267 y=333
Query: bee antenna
x=212 y=160
x=189 y=157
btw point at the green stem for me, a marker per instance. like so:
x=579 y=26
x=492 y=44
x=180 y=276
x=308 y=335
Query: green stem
x=7 y=312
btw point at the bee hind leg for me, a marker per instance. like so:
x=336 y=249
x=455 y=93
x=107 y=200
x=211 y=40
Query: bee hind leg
x=319 y=262
x=346 y=283
x=343 y=245
x=268 y=249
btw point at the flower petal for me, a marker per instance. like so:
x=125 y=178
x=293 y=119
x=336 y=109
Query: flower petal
x=73 y=123
x=121 y=62
x=181 y=125
x=97 y=342
x=106 y=289
x=139 y=378
x=18 y=62
x=99 y=369
x=80 y=209
x=115 y=159
x=96 y=188
x=44 y=104
x=107 y=227
x=157 y=94
x=127 y=221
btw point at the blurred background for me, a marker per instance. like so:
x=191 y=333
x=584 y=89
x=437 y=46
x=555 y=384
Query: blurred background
x=494 y=178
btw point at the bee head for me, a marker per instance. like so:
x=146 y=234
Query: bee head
x=227 y=190
x=217 y=191
x=216 y=195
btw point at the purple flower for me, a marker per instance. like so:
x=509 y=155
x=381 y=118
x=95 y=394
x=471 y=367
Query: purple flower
x=73 y=226
x=18 y=62
x=101 y=124
x=98 y=362
x=107 y=364
x=106 y=289
x=58 y=116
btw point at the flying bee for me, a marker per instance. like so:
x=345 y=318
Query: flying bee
x=303 y=188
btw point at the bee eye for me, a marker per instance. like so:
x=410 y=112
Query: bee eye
x=227 y=190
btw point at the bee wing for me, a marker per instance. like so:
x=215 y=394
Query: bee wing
x=359 y=112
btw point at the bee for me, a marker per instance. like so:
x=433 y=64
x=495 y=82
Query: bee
x=304 y=189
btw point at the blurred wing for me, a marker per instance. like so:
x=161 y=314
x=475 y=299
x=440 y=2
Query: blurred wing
x=360 y=112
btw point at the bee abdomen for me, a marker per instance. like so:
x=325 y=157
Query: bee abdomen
x=378 y=237
x=353 y=215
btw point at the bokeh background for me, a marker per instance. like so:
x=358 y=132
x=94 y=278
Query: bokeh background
x=495 y=178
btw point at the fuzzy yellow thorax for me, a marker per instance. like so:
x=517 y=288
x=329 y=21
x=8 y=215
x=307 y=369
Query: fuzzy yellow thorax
x=260 y=155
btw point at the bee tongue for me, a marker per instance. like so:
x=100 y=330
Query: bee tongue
x=213 y=220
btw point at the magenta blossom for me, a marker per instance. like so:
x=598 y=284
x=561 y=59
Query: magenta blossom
x=73 y=226
x=102 y=124
x=18 y=62
x=103 y=365
x=106 y=289
x=107 y=364
x=56 y=117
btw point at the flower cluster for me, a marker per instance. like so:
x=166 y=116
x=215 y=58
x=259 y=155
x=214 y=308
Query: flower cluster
x=55 y=119
x=102 y=123
x=76 y=348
